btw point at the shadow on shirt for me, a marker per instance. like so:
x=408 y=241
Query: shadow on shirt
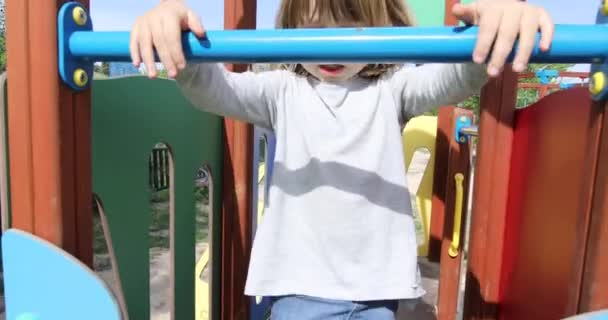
x=315 y=174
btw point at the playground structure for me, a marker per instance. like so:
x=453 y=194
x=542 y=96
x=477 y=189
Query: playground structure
x=552 y=80
x=536 y=230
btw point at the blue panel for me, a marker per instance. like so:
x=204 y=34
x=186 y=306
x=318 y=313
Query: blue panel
x=67 y=63
x=601 y=21
x=595 y=315
x=461 y=122
x=43 y=282
x=572 y=44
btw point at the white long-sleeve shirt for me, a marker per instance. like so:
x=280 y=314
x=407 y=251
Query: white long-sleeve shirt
x=338 y=222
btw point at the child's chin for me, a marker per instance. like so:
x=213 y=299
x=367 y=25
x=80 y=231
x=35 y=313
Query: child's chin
x=333 y=77
x=327 y=74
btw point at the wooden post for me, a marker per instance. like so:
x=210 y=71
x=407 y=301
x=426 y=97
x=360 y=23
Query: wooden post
x=49 y=134
x=237 y=191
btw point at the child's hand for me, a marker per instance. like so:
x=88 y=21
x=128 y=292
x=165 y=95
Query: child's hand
x=161 y=29
x=500 y=23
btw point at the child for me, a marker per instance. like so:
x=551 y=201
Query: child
x=338 y=239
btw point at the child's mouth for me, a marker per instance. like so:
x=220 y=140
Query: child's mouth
x=331 y=69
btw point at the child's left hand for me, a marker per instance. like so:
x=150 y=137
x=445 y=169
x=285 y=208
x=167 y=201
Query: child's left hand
x=501 y=23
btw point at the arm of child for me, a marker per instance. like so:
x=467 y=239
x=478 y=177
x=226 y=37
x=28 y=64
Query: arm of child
x=248 y=96
x=501 y=24
x=420 y=89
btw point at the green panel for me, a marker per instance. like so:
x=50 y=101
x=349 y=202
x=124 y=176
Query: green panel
x=130 y=115
x=465 y=2
x=428 y=12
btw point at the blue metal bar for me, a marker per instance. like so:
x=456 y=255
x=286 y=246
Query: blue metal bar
x=571 y=44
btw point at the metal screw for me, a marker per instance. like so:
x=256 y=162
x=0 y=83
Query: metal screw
x=80 y=77
x=597 y=83
x=79 y=16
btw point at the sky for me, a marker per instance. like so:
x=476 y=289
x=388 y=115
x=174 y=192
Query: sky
x=106 y=16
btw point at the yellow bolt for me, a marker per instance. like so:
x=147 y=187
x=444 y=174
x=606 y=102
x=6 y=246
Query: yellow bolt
x=79 y=16
x=597 y=83
x=605 y=8
x=80 y=77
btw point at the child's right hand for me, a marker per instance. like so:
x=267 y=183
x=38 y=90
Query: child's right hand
x=161 y=29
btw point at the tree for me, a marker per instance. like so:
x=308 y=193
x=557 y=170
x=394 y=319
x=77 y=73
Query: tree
x=2 y=52
x=102 y=68
x=2 y=17
x=2 y=38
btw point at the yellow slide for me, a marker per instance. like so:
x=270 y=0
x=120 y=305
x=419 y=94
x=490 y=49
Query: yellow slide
x=419 y=134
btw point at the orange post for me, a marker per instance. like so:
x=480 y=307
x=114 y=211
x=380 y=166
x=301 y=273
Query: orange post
x=49 y=134
x=237 y=191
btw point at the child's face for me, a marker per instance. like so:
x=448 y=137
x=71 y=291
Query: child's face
x=329 y=72
x=333 y=72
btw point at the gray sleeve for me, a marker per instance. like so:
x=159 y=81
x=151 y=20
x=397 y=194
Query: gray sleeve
x=420 y=89
x=248 y=96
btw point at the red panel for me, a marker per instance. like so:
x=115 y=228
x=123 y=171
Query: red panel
x=546 y=215
x=594 y=291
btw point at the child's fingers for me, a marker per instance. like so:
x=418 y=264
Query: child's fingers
x=174 y=44
x=467 y=13
x=147 y=52
x=507 y=34
x=527 y=39
x=547 y=28
x=488 y=27
x=160 y=44
x=194 y=24
x=134 y=47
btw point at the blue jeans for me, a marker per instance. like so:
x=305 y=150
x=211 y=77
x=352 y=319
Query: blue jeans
x=297 y=307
